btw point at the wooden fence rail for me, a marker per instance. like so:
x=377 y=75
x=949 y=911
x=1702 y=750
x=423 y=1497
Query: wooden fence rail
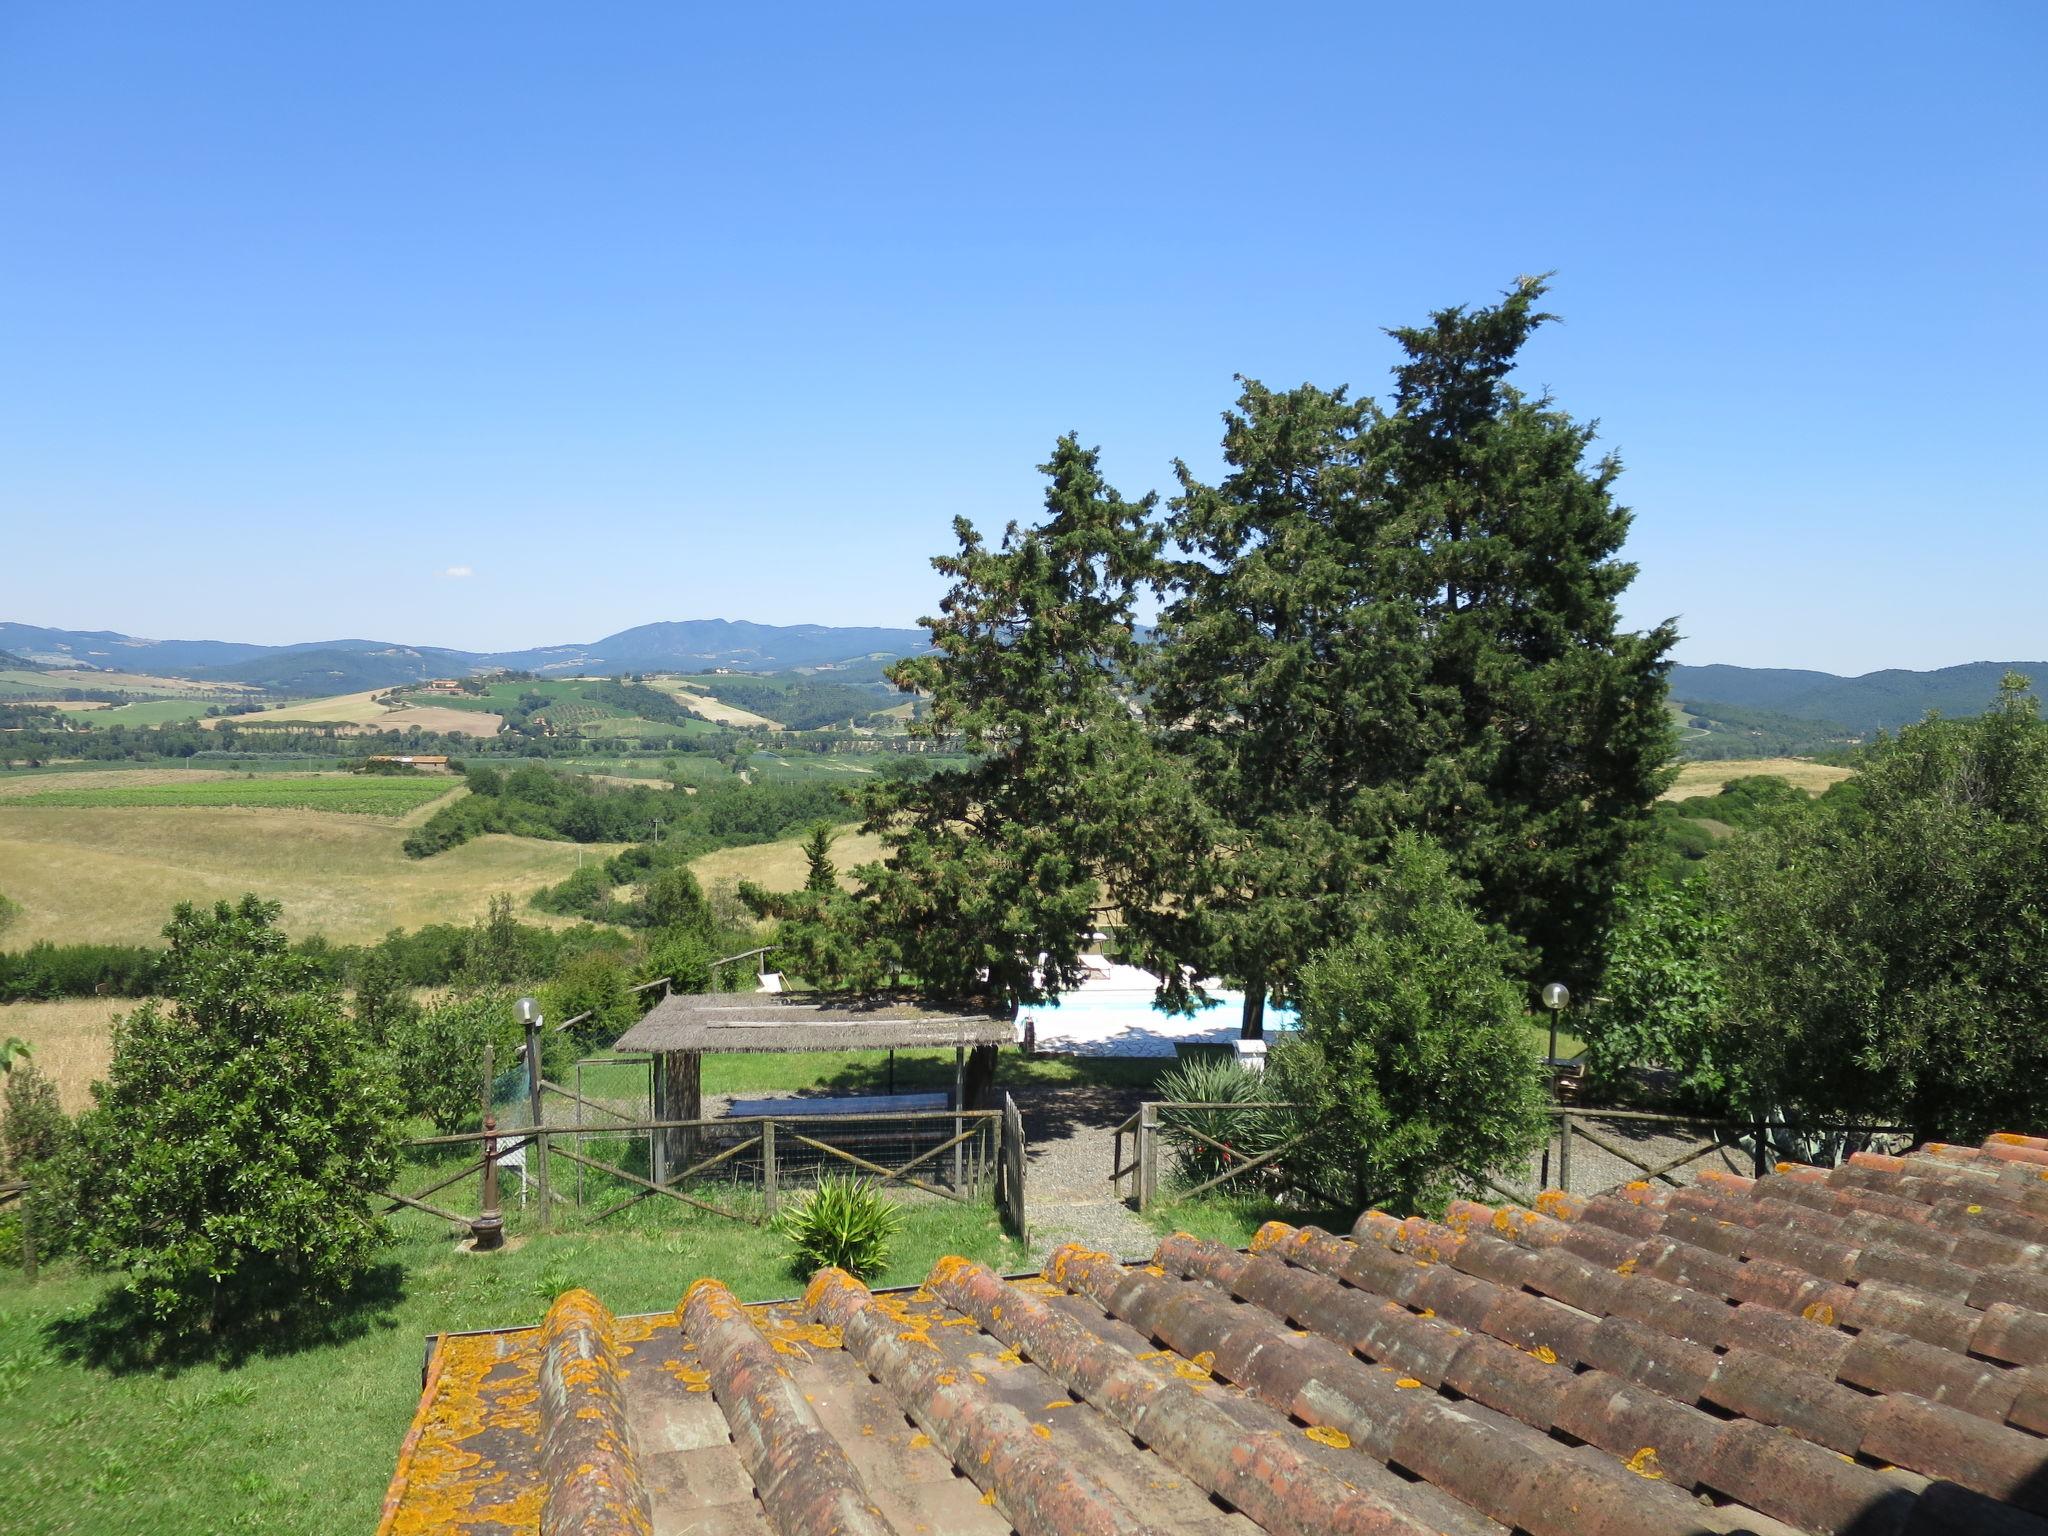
x=1703 y=1136
x=889 y=1145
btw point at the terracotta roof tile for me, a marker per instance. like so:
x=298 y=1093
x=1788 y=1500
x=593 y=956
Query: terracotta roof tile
x=1862 y=1349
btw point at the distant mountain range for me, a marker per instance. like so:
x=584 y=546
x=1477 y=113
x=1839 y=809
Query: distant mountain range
x=1816 y=708
x=342 y=666
x=1847 y=706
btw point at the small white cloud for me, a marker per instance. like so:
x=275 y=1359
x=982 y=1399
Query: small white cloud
x=459 y=571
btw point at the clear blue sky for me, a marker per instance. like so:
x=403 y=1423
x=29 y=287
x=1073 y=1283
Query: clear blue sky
x=644 y=311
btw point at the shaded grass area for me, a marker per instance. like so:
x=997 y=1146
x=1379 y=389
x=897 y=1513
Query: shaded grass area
x=298 y=1433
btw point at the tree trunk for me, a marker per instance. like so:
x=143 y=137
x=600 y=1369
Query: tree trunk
x=1254 y=1024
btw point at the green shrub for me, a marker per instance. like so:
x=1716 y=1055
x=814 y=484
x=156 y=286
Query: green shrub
x=438 y=1056
x=1663 y=1004
x=594 y=985
x=1245 y=1133
x=231 y=1156
x=33 y=1126
x=844 y=1223
x=1411 y=1073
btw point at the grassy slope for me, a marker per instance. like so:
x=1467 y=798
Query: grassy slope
x=780 y=866
x=113 y=875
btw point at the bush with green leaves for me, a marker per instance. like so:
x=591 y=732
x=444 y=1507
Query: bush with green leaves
x=1411 y=1073
x=844 y=1223
x=439 y=1054
x=1663 y=1005
x=1206 y=1143
x=34 y=1135
x=682 y=955
x=594 y=989
x=33 y=1125
x=1884 y=954
x=230 y=1158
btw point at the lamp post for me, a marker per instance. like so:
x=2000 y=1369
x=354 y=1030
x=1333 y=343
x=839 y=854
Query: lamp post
x=1556 y=997
x=530 y=1016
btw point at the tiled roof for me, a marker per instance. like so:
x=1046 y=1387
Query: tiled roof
x=1857 y=1350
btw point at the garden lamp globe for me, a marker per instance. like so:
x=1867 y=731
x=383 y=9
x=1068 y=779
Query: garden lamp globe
x=528 y=1010
x=1556 y=995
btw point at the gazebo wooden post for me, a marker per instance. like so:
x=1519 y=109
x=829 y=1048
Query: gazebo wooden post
x=682 y=1085
x=959 y=1103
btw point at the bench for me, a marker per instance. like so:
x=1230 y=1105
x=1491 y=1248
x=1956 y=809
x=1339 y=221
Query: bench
x=888 y=1142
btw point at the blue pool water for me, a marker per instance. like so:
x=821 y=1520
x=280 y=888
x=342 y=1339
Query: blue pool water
x=1102 y=1021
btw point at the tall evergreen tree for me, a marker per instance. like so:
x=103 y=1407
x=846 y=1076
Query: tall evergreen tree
x=994 y=874
x=1402 y=619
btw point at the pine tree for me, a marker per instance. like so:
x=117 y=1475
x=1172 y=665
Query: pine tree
x=997 y=872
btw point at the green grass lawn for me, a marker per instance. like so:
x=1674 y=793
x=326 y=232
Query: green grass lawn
x=357 y=793
x=304 y=1440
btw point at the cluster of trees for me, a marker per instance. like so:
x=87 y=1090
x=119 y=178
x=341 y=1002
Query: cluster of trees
x=1387 y=667
x=534 y=802
x=1876 y=955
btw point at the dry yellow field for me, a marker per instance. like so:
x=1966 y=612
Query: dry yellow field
x=71 y=1041
x=1707 y=778
x=364 y=709
x=780 y=866
x=113 y=874
x=703 y=704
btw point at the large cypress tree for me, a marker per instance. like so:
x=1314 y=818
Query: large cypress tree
x=995 y=872
x=1402 y=619
x=1548 y=735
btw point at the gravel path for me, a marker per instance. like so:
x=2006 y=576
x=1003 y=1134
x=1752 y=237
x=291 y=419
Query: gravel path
x=1068 y=1141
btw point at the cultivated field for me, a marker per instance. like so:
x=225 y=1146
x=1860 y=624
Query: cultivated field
x=113 y=875
x=1707 y=778
x=780 y=866
x=72 y=1040
x=349 y=793
x=708 y=707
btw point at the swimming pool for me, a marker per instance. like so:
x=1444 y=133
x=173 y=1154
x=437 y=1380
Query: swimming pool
x=1123 y=1020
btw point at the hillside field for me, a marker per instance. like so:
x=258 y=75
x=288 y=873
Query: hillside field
x=430 y=712
x=780 y=866
x=71 y=1040
x=1706 y=778
x=695 y=699
x=112 y=875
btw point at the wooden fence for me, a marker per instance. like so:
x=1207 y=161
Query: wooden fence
x=1633 y=1144
x=767 y=1154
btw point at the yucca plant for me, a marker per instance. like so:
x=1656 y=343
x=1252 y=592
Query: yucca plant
x=1244 y=1133
x=844 y=1222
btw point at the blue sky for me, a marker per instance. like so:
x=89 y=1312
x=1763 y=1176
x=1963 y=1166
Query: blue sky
x=648 y=311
